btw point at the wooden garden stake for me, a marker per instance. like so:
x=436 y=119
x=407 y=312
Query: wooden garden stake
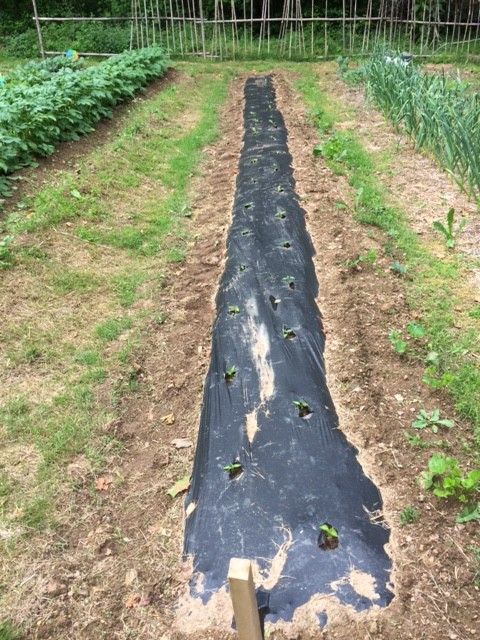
x=242 y=592
x=39 y=30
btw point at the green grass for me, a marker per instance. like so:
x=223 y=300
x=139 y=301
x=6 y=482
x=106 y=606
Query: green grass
x=68 y=280
x=9 y=632
x=112 y=328
x=433 y=287
x=125 y=205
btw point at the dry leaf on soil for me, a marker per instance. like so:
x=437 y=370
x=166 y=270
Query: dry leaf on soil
x=130 y=577
x=103 y=483
x=168 y=419
x=179 y=487
x=182 y=443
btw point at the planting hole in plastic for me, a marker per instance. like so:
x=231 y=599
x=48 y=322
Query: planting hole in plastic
x=274 y=302
x=328 y=537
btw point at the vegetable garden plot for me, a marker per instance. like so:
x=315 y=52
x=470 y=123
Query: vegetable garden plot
x=274 y=479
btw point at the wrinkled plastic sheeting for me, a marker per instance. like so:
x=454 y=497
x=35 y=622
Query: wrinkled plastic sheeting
x=297 y=472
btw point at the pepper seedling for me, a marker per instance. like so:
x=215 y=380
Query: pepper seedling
x=230 y=373
x=303 y=408
x=290 y=281
x=233 y=309
x=288 y=333
x=234 y=469
x=328 y=538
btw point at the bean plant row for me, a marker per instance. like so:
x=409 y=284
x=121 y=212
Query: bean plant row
x=35 y=118
x=38 y=71
x=440 y=113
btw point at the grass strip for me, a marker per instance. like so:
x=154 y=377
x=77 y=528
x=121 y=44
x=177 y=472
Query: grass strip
x=434 y=283
x=84 y=356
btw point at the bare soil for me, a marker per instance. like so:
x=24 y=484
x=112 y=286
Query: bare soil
x=113 y=567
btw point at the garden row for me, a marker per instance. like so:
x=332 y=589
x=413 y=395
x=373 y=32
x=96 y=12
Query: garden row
x=38 y=71
x=441 y=114
x=34 y=119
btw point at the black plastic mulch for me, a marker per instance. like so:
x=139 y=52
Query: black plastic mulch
x=296 y=473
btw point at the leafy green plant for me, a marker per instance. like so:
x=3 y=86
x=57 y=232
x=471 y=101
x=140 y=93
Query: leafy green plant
x=416 y=330
x=399 y=345
x=445 y=479
x=230 y=373
x=234 y=469
x=447 y=229
x=288 y=333
x=408 y=515
x=432 y=420
x=290 y=281
x=303 y=408
x=34 y=118
x=469 y=513
x=233 y=309
x=398 y=268
x=367 y=258
x=328 y=538
x=439 y=113
x=415 y=440
x=328 y=530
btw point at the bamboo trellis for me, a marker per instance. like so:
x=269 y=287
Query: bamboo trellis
x=297 y=29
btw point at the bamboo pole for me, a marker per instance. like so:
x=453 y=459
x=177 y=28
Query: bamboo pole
x=39 y=29
x=172 y=27
x=325 y=31
x=202 y=28
x=167 y=29
x=131 y=25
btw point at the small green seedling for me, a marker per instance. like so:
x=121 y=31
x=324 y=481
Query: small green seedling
x=279 y=188
x=368 y=258
x=303 y=408
x=416 y=330
x=415 y=440
x=399 y=345
x=469 y=514
x=426 y=420
x=445 y=479
x=409 y=515
x=328 y=538
x=288 y=333
x=230 y=373
x=281 y=215
x=447 y=229
x=234 y=469
x=398 y=268
x=286 y=244
x=242 y=267
x=246 y=232
x=233 y=309
x=290 y=281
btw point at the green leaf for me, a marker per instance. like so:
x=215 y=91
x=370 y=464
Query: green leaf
x=469 y=513
x=76 y=194
x=416 y=330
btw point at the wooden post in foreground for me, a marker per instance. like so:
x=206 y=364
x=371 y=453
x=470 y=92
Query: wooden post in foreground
x=242 y=592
